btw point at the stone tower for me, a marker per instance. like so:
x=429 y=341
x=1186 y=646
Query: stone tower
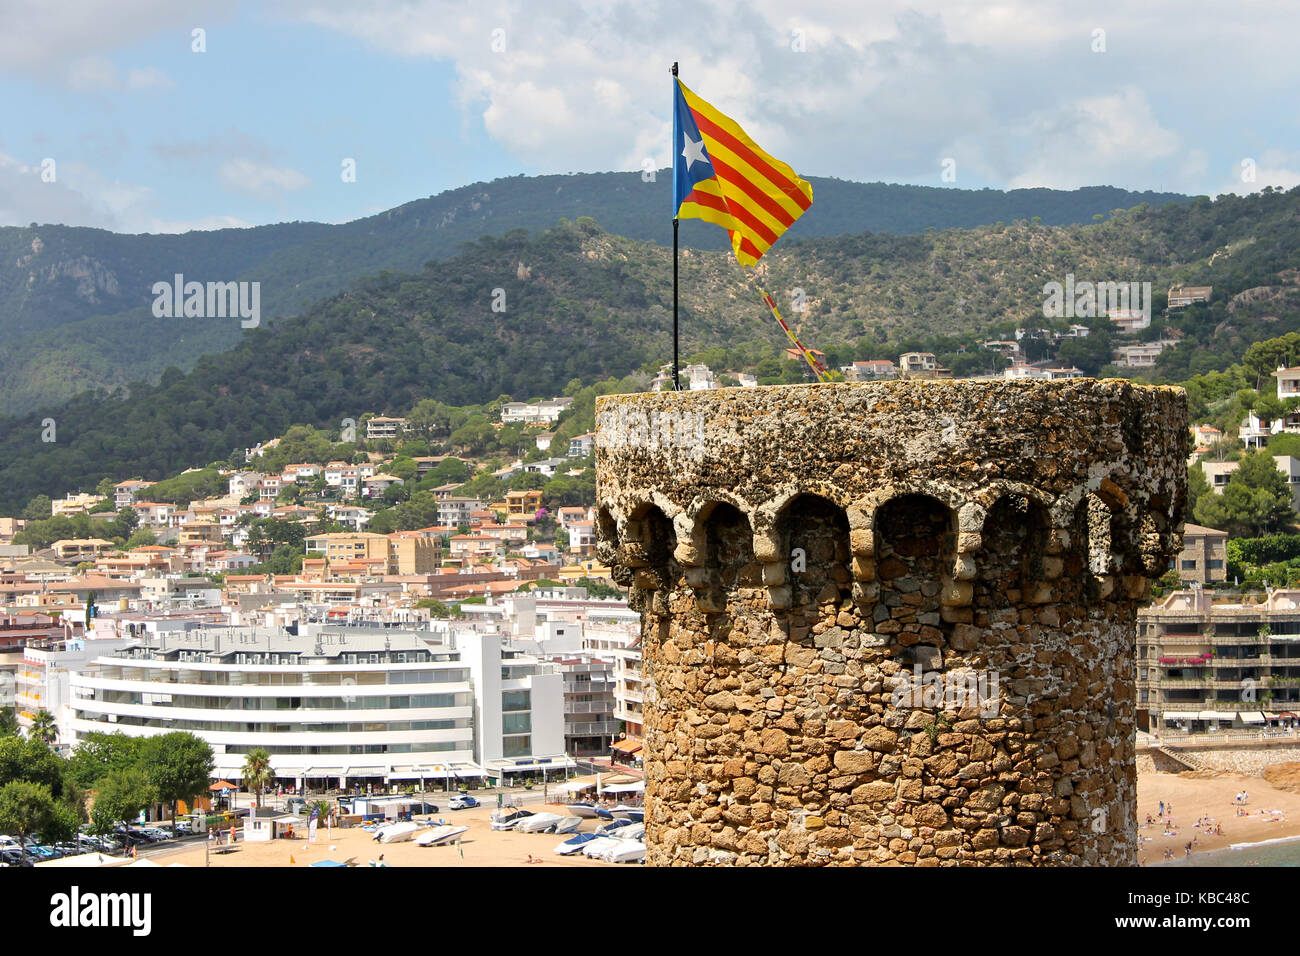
x=891 y=623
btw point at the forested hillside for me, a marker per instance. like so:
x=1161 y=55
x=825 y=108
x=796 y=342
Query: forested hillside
x=578 y=302
x=74 y=303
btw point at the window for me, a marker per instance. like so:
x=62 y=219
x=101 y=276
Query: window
x=513 y=700
x=1214 y=564
x=515 y=746
x=517 y=723
x=1189 y=565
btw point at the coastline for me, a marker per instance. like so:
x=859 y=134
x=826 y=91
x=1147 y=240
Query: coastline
x=1271 y=826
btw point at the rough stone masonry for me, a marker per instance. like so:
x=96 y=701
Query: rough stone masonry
x=893 y=623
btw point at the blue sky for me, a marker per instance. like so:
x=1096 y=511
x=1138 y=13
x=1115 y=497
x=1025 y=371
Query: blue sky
x=425 y=95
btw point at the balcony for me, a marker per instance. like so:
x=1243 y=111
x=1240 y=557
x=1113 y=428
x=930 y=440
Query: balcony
x=593 y=728
x=589 y=706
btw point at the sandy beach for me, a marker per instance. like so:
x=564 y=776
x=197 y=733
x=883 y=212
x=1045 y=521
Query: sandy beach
x=1271 y=813
x=1195 y=796
x=480 y=846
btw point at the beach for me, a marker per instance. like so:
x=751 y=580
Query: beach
x=1272 y=814
x=479 y=846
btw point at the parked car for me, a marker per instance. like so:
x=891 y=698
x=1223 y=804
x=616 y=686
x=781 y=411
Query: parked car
x=462 y=801
x=184 y=826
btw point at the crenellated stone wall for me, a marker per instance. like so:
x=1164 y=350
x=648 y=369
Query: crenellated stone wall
x=891 y=623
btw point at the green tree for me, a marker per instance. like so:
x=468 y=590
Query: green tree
x=140 y=538
x=436 y=608
x=8 y=722
x=38 y=508
x=178 y=765
x=120 y=796
x=44 y=727
x=99 y=754
x=1256 y=500
x=258 y=775
x=1197 y=486
x=30 y=760
x=1263 y=358
x=25 y=808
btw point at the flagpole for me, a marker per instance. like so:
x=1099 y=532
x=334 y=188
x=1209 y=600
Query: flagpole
x=677 y=385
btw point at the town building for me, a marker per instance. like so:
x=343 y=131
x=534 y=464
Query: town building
x=334 y=706
x=1207 y=666
x=75 y=504
x=1184 y=295
x=1288 y=382
x=870 y=370
x=1204 y=558
x=43 y=679
x=381 y=427
x=582 y=445
x=534 y=413
x=1129 y=320
x=126 y=492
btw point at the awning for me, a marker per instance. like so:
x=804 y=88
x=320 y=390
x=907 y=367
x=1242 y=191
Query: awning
x=1216 y=715
x=625 y=788
x=1251 y=717
x=574 y=786
x=537 y=763
x=323 y=772
x=1182 y=715
x=627 y=746
x=365 y=772
x=223 y=785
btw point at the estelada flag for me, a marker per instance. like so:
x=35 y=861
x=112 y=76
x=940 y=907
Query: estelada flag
x=720 y=175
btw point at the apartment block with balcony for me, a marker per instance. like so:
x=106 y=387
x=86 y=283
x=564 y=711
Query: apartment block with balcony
x=589 y=722
x=1209 y=667
x=330 y=704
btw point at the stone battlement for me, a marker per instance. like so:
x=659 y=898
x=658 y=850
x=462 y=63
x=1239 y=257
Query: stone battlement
x=820 y=566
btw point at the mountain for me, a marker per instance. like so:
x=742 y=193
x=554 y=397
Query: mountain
x=75 y=302
x=577 y=302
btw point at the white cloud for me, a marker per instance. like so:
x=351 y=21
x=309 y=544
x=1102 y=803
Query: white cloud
x=1093 y=139
x=204 y=224
x=92 y=74
x=1278 y=168
x=78 y=194
x=53 y=42
x=148 y=78
x=25 y=198
x=880 y=92
x=98 y=74
x=260 y=179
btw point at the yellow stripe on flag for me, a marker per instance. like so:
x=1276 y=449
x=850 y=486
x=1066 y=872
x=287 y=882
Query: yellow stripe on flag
x=761 y=196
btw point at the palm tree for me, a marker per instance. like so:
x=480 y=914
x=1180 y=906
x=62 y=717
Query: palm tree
x=44 y=727
x=258 y=774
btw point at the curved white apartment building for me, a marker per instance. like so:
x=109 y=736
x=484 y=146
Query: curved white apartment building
x=331 y=704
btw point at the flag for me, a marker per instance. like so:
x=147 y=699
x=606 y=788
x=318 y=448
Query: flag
x=312 y=823
x=720 y=175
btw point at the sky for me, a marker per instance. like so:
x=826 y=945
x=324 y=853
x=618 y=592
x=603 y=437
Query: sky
x=166 y=116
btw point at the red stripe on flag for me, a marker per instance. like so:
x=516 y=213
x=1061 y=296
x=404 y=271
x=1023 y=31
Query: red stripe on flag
x=708 y=200
x=749 y=247
x=750 y=189
x=737 y=212
x=782 y=182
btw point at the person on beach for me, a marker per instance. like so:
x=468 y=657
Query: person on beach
x=1162 y=808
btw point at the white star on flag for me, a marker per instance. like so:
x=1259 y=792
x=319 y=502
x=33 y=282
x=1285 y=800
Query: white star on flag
x=693 y=150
